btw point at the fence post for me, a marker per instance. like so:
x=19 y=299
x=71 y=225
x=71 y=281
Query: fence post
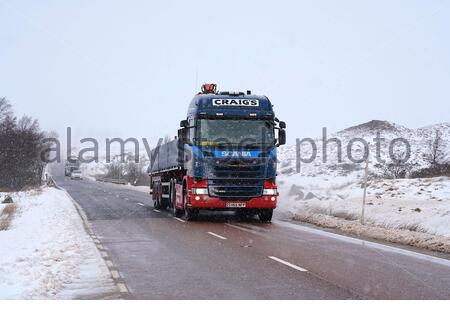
x=366 y=172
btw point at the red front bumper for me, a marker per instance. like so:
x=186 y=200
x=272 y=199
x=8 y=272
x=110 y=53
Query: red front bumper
x=206 y=202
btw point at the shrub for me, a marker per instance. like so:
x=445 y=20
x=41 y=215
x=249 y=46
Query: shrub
x=437 y=170
x=6 y=216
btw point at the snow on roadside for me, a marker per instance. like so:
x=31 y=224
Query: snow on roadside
x=93 y=169
x=354 y=227
x=143 y=189
x=46 y=252
x=408 y=204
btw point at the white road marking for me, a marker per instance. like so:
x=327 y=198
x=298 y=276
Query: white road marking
x=242 y=228
x=122 y=288
x=181 y=220
x=293 y=266
x=109 y=264
x=140 y=204
x=115 y=274
x=126 y=199
x=216 y=235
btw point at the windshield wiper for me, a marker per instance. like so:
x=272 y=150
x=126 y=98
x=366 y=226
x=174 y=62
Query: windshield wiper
x=250 y=145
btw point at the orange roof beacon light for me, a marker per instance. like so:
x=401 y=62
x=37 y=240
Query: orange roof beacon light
x=209 y=88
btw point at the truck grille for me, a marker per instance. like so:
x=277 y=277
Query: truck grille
x=236 y=179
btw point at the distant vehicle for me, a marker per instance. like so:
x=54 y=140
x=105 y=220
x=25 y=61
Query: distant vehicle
x=72 y=164
x=76 y=175
x=224 y=157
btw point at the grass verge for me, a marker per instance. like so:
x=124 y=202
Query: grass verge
x=405 y=237
x=7 y=215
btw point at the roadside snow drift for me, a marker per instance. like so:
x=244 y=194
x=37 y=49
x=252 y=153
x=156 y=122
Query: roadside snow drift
x=46 y=253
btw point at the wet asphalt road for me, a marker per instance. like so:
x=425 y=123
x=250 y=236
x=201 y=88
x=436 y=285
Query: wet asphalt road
x=219 y=257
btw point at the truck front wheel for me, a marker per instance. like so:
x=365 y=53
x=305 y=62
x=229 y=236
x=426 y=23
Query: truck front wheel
x=265 y=215
x=189 y=213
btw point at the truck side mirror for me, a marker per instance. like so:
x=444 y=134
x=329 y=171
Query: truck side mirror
x=184 y=123
x=282 y=125
x=182 y=135
x=282 y=137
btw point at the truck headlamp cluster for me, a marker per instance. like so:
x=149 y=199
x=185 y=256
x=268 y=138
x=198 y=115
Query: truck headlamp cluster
x=201 y=191
x=270 y=192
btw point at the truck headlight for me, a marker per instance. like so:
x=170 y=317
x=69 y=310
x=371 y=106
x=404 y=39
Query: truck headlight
x=270 y=192
x=203 y=191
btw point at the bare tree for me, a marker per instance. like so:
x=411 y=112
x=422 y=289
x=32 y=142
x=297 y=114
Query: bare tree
x=397 y=168
x=5 y=109
x=21 y=143
x=436 y=149
x=114 y=170
x=135 y=172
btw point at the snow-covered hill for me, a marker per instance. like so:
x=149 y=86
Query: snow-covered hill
x=420 y=141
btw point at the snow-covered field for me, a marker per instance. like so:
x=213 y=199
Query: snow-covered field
x=335 y=189
x=47 y=254
x=411 y=204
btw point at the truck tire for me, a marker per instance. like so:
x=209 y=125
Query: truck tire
x=189 y=213
x=173 y=200
x=265 y=215
x=159 y=202
x=244 y=214
x=156 y=204
x=164 y=204
x=156 y=198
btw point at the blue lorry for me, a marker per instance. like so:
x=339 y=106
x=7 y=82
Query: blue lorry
x=223 y=158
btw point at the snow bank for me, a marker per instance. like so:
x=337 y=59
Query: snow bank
x=143 y=189
x=94 y=169
x=46 y=253
x=406 y=237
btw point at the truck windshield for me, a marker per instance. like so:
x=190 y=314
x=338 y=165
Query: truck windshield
x=235 y=132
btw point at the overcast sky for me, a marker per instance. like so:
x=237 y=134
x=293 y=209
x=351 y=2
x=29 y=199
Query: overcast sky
x=129 y=68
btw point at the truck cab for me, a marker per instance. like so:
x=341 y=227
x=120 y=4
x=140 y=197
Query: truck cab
x=71 y=164
x=227 y=155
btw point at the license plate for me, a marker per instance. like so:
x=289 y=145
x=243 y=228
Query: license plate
x=236 y=205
